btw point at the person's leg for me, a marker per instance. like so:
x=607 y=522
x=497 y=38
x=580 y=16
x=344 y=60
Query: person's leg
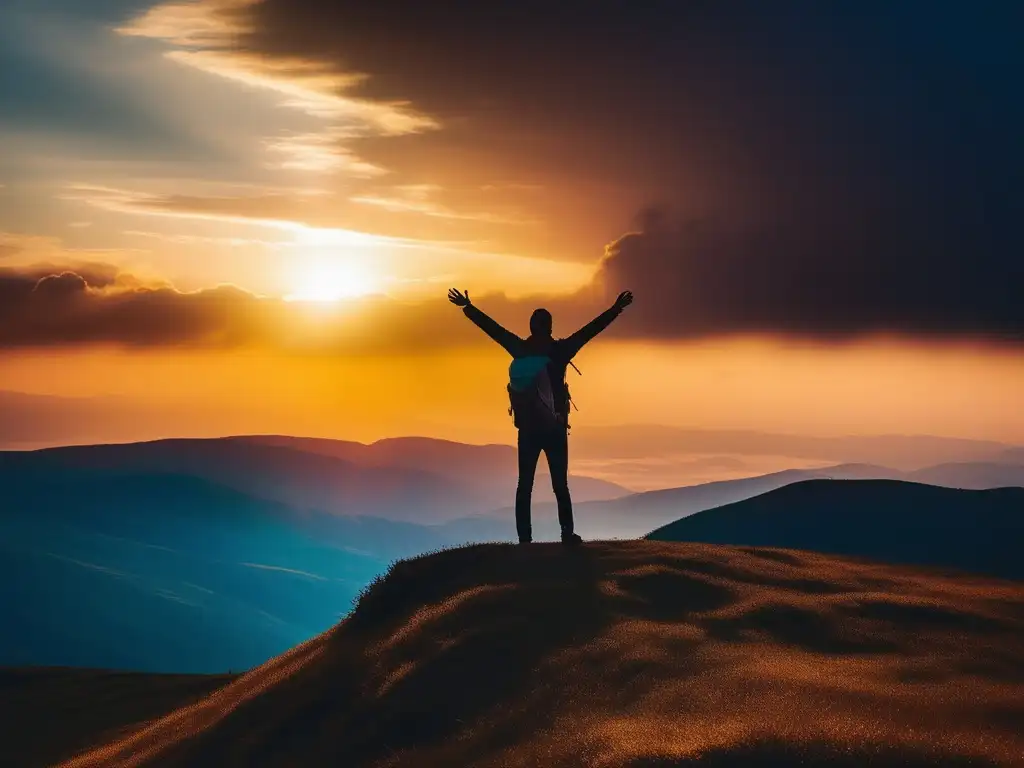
x=556 y=446
x=529 y=453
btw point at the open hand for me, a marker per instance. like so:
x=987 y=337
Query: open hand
x=624 y=300
x=459 y=298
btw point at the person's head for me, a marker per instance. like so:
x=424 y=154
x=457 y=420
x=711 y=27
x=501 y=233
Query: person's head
x=540 y=323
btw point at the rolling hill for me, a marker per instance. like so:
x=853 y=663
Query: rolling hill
x=618 y=655
x=888 y=520
x=635 y=515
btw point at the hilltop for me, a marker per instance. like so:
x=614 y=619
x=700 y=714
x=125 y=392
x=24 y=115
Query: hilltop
x=627 y=654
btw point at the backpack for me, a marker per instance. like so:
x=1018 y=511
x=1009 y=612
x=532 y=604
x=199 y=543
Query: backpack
x=531 y=401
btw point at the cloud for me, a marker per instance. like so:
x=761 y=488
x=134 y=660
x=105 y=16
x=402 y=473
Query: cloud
x=314 y=214
x=269 y=209
x=99 y=305
x=51 y=306
x=323 y=151
x=17 y=248
x=826 y=174
x=205 y=37
x=885 y=273
x=416 y=198
x=691 y=279
x=192 y=24
x=234 y=242
x=840 y=173
x=310 y=87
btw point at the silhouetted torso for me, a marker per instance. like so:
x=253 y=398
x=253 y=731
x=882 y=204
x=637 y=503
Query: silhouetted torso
x=561 y=351
x=556 y=350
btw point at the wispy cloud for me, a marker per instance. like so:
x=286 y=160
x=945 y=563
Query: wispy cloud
x=416 y=198
x=237 y=242
x=21 y=248
x=272 y=210
x=205 y=36
x=193 y=24
x=323 y=151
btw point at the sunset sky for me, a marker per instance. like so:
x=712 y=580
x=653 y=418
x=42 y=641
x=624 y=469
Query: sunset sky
x=244 y=215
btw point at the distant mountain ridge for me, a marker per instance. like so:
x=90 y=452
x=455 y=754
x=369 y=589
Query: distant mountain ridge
x=33 y=421
x=414 y=480
x=636 y=515
x=888 y=520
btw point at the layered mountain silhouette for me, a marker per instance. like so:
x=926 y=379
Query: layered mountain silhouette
x=624 y=655
x=976 y=475
x=412 y=479
x=981 y=531
x=637 y=514
x=181 y=555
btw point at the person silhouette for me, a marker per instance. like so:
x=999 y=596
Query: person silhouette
x=552 y=440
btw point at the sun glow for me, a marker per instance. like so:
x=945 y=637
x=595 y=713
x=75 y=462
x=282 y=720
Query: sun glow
x=334 y=281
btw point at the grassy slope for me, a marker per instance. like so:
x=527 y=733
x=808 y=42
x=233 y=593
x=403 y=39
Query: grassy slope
x=50 y=713
x=629 y=654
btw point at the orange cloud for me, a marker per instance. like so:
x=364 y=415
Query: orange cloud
x=44 y=306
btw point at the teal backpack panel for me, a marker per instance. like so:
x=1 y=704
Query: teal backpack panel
x=523 y=371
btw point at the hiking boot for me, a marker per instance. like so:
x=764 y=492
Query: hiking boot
x=572 y=539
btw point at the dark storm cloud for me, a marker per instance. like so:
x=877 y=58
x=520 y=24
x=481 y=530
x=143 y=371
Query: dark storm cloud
x=704 y=277
x=829 y=168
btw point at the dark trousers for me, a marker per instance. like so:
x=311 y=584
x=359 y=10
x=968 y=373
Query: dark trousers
x=555 y=444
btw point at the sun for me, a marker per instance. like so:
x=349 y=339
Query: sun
x=331 y=282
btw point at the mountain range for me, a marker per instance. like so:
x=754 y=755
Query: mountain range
x=209 y=555
x=637 y=514
x=413 y=479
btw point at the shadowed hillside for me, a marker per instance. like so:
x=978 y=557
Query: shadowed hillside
x=888 y=520
x=628 y=654
x=49 y=714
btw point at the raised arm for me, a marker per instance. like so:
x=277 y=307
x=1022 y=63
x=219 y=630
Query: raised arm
x=503 y=336
x=575 y=342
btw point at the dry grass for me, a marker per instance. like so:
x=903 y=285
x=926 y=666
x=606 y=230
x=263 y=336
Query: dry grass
x=628 y=654
x=48 y=714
